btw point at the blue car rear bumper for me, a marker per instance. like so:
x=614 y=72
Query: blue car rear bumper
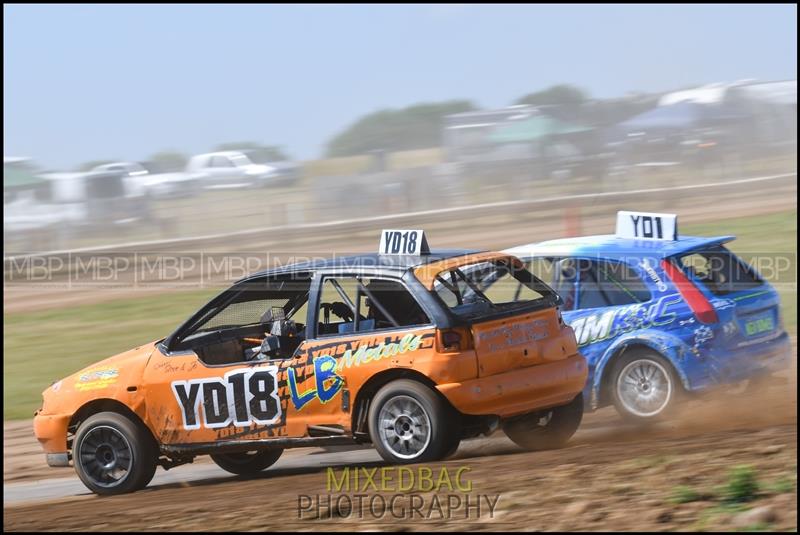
x=732 y=365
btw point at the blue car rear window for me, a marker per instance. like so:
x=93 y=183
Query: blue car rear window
x=719 y=270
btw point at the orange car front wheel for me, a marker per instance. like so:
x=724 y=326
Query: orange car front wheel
x=113 y=455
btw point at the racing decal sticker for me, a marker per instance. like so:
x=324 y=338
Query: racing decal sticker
x=653 y=274
x=722 y=304
x=327 y=383
x=330 y=360
x=514 y=334
x=612 y=323
x=701 y=335
x=729 y=328
x=593 y=328
x=241 y=398
x=96 y=379
x=367 y=353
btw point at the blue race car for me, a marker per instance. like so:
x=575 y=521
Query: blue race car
x=657 y=315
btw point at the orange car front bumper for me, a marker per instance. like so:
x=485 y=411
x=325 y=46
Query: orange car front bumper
x=51 y=431
x=521 y=390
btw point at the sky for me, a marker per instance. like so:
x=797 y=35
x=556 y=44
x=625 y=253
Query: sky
x=91 y=82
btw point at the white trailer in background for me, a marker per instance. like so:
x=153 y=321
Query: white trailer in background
x=156 y=185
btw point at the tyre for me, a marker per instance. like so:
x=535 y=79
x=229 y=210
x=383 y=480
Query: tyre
x=410 y=423
x=644 y=386
x=113 y=454
x=246 y=462
x=453 y=449
x=548 y=429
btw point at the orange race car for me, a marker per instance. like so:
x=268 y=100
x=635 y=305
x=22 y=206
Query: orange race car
x=403 y=349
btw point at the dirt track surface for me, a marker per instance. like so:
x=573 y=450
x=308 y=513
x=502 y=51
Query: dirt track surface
x=611 y=476
x=22 y=455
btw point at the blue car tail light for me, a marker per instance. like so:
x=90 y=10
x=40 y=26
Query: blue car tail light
x=702 y=307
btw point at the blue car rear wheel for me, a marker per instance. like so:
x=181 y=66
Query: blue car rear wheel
x=644 y=386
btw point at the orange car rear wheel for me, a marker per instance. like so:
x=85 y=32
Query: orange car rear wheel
x=547 y=429
x=246 y=462
x=410 y=423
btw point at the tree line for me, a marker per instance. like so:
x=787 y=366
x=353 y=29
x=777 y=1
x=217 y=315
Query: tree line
x=419 y=126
